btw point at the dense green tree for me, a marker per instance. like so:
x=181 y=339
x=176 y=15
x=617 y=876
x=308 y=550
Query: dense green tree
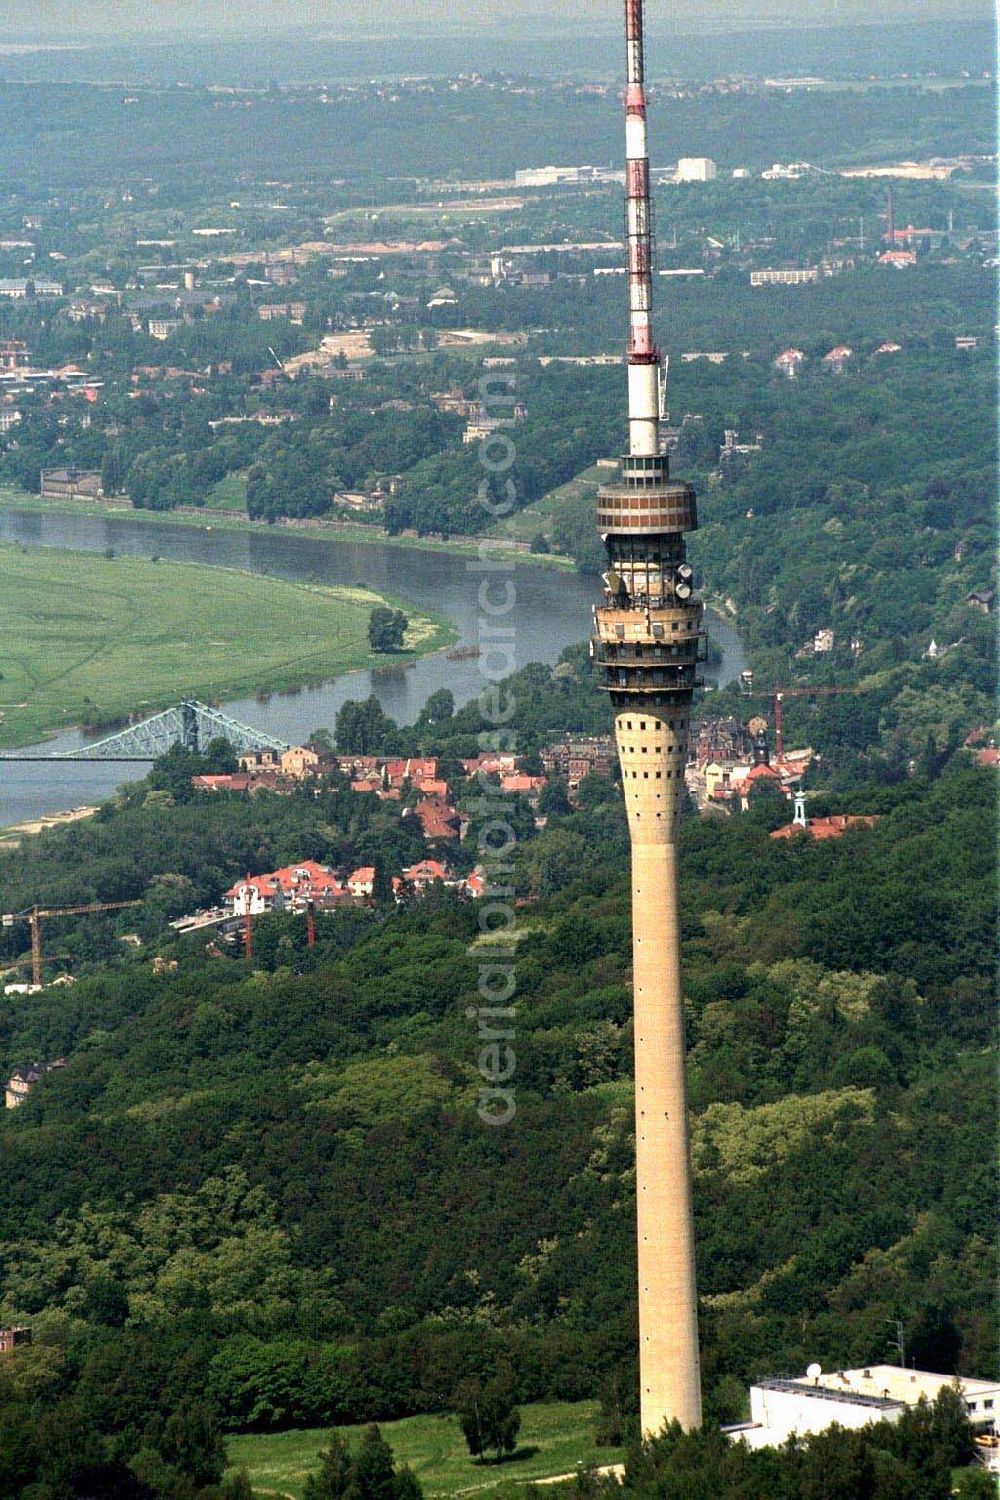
x=363 y=728
x=386 y=628
x=193 y=1445
x=439 y=706
x=106 y=1302
x=335 y=1476
x=488 y=1415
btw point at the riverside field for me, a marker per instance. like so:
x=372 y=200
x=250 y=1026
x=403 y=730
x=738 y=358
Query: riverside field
x=555 y=1438
x=94 y=639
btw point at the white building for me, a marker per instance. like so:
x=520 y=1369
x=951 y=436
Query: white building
x=696 y=169
x=552 y=176
x=852 y=1399
x=786 y=172
x=784 y=276
x=162 y=328
x=790 y=363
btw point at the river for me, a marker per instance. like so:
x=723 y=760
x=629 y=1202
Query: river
x=552 y=611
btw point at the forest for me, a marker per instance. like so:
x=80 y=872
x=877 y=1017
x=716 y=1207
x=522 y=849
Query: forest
x=274 y=1187
x=375 y=132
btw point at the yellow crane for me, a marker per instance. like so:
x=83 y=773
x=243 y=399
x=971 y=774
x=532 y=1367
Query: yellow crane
x=35 y=915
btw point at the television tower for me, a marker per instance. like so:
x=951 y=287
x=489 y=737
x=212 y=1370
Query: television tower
x=647 y=645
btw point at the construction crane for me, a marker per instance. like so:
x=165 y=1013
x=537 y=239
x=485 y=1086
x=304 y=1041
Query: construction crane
x=248 y=929
x=777 y=697
x=36 y=914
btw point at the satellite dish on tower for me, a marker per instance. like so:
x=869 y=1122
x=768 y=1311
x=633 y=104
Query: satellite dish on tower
x=814 y=1371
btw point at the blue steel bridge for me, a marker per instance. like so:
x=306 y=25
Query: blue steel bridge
x=191 y=724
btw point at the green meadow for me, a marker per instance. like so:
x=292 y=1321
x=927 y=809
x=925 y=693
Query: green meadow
x=92 y=639
x=555 y=1438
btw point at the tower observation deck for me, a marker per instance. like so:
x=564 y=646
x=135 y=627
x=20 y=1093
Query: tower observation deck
x=648 y=641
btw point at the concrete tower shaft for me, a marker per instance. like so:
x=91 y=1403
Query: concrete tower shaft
x=647 y=644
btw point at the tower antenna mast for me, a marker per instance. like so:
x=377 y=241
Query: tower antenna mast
x=647 y=644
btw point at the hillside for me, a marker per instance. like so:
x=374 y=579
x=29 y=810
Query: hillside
x=276 y=1187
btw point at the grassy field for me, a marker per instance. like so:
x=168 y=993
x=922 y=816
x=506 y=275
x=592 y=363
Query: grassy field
x=93 y=639
x=554 y=1439
x=229 y=494
x=536 y=519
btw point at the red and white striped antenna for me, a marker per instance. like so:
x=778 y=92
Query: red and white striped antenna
x=644 y=360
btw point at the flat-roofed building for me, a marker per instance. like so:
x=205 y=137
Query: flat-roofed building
x=852 y=1399
x=696 y=169
x=784 y=276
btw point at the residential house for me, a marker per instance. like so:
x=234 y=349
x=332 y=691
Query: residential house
x=491 y=764
x=424 y=873
x=439 y=821
x=291 y=888
x=790 y=363
x=899 y=259
x=361 y=882
x=261 y=760
x=523 y=786
x=304 y=761
x=413 y=769
x=573 y=759
x=838 y=359
x=23 y=1080
x=234 y=781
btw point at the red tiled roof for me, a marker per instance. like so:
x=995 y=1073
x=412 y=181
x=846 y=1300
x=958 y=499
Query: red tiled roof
x=306 y=877
x=522 y=783
x=431 y=787
x=437 y=819
x=762 y=773
x=426 y=870
x=826 y=828
x=411 y=769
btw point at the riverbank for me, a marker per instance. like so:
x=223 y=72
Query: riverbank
x=13 y=837
x=90 y=639
x=210 y=520
x=552 y=611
